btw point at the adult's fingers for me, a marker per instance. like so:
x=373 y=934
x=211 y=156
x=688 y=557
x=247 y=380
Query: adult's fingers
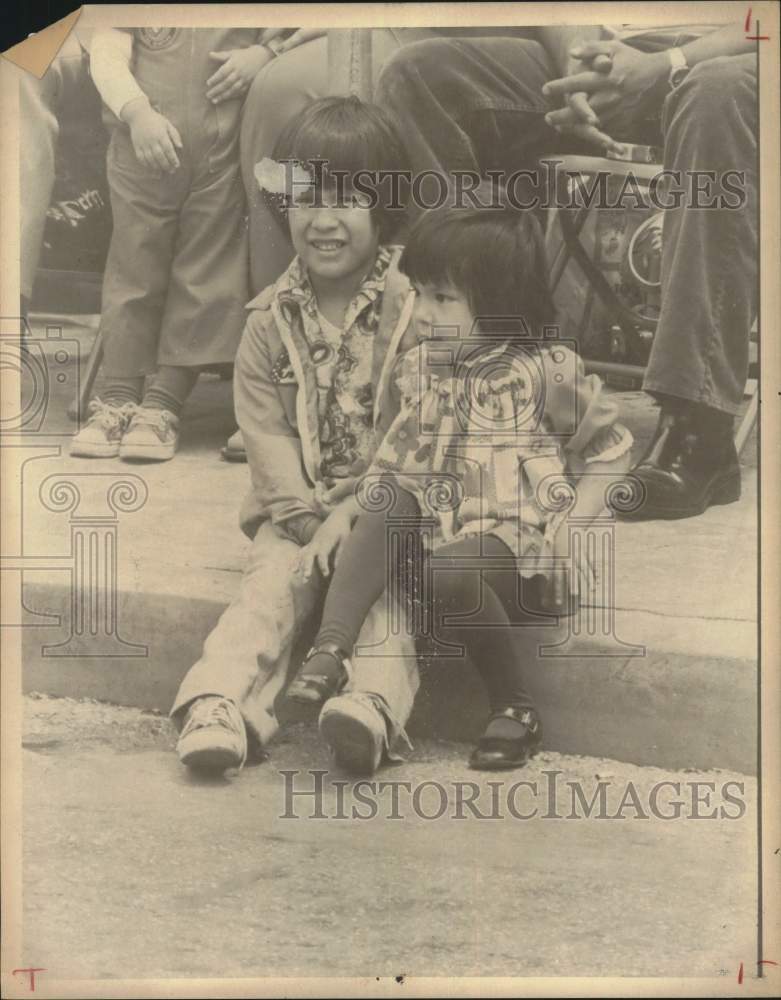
x=602 y=63
x=588 y=81
x=223 y=88
x=578 y=102
x=566 y=119
x=143 y=157
x=299 y=37
x=563 y=118
x=268 y=34
x=176 y=139
x=157 y=157
x=235 y=90
x=166 y=148
x=219 y=75
x=593 y=48
x=291 y=41
x=594 y=136
x=322 y=562
x=162 y=158
x=305 y=562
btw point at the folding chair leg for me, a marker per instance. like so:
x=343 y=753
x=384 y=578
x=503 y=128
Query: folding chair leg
x=748 y=421
x=87 y=380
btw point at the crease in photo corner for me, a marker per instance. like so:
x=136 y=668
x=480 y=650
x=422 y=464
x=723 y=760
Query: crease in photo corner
x=35 y=54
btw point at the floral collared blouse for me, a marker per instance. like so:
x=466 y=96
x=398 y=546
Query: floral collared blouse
x=488 y=449
x=343 y=365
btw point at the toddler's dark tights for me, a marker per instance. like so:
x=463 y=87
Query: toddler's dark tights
x=476 y=600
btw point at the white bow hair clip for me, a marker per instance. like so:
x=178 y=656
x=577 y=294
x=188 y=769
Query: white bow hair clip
x=286 y=179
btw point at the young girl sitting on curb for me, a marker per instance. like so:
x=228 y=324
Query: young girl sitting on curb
x=494 y=419
x=305 y=383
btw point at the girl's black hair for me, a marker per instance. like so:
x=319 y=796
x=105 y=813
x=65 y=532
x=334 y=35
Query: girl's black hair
x=494 y=256
x=351 y=136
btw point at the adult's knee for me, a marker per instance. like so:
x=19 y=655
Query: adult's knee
x=285 y=85
x=712 y=86
x=408 y=65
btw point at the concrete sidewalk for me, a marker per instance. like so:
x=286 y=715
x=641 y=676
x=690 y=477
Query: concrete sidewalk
x=680 y=691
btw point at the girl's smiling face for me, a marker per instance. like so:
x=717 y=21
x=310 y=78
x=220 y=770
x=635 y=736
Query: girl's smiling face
x=335 y=241
x=440 y=311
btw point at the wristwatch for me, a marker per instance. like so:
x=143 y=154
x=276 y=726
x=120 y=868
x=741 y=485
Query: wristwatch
x=678 y=67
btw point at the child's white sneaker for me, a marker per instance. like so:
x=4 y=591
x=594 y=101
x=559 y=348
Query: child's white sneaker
x=355 y=731
x=214 y=737
x=152 y=436
x=101 y=436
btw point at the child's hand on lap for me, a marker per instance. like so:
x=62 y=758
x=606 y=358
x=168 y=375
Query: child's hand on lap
x=327 y=541
x=239 y=68
x=155 y=139
x=327 y=498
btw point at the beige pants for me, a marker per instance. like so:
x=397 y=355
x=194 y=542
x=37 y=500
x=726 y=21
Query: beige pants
x=246 y=656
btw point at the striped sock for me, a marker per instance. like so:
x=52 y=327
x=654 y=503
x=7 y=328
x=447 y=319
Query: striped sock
x=119 y=391
x=170 y=389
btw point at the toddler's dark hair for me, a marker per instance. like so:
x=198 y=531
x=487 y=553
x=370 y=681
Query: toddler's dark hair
x=351 y=135
x=494 y=256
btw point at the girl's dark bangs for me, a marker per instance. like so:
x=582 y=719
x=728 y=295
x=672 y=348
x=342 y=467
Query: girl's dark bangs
x=438 y=250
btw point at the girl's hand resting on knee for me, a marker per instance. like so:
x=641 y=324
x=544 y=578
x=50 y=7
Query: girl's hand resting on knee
x=325 y=547
x=327 y=497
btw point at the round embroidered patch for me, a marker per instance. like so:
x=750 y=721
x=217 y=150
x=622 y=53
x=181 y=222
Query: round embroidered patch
x=321 y=352
x=157 y=38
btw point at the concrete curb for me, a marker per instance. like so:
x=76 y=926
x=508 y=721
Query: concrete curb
x=667 y=709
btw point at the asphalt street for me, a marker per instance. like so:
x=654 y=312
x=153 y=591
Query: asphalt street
x=134 y=870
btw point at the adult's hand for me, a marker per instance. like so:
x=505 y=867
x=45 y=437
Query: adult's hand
x=616 y=90
x=577 y=117
x=299 y=36
x=239 y=68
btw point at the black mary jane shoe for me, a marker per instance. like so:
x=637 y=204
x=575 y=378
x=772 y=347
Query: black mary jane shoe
x=318 y=688
x=494 y=753
x=691 y=465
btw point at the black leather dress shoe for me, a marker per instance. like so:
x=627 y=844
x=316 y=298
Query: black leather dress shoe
x=318 y=687
x=691 y=464
x=494 y=753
